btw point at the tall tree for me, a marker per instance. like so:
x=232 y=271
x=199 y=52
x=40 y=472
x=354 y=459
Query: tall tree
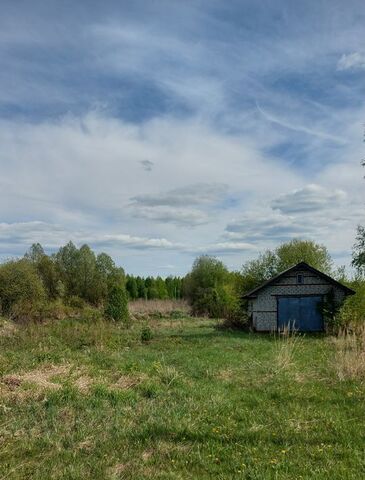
x=295 y=251
x=270 y=263
x=358 y=251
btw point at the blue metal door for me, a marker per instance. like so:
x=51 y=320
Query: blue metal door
x=300 y=313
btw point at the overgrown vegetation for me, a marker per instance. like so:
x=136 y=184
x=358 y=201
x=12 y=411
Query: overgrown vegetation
x=213 y=291
x=82 y=400
x=37 y=285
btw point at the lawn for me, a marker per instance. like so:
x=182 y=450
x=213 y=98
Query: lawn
x=90 y=400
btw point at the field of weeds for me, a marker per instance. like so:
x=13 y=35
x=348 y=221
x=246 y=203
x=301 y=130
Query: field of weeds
x=93 y=400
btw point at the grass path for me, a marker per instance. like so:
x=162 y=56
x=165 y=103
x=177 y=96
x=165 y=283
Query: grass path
x=90 y=401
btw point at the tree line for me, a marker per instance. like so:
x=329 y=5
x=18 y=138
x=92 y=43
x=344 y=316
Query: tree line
x=151 y=288
x=78 y=276
x=72 y=275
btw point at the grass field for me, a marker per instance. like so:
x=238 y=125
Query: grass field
x=83 y=400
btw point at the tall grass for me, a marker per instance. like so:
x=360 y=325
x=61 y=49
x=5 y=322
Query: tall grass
x=287 y=343
x=349 y=359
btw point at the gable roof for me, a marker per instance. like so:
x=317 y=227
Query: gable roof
x=300 y=266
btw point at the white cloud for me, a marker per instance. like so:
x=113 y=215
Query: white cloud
x=186 y=217
x=310 y=198
x=53 y=236
x=351 y=61
x=197 y=194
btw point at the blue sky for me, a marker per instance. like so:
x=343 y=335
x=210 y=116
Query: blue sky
x=160 y=130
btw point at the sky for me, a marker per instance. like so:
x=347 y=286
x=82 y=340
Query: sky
x=158 y=131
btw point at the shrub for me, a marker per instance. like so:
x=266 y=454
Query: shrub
x=117 y=303
x=76 y=302
x=205 y=287
x=20 y=284
x=91 y=314
x=146 y=334
x=352 y=312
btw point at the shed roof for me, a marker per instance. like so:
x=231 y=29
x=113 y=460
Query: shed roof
x=300 y=266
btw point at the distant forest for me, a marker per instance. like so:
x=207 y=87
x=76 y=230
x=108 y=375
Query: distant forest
x=151 y=288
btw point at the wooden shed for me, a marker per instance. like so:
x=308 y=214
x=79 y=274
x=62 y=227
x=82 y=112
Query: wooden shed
x=294 y=299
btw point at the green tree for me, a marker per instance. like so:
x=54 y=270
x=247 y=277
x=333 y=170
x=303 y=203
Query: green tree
x=86 y=274
x=117 y=303
x=46 y=269
x=132 y=288
x=104 y=270
x=295 y=251
x=50 y=276
x=206 y=287
x=35 y=253
x=255 y=272
x=19 y=282
x=358 y=251
x=270 y=263
x=67 y=263
x=161 y=288
x=142 y=290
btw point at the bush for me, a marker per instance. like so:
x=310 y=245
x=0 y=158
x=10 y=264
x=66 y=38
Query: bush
x=91 y=315
x=76 y=302
x=117 y=303
x=205 y=287
x=20 y=285
x=146 y=334
x=352 y=312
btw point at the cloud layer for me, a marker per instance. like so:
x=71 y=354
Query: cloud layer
x=161 y=131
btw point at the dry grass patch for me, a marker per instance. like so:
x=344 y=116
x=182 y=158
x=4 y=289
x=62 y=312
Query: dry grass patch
x=47 y=377
x=125 y=382
x=83 y=383
x=120 y=471
x=163 y=307
x=226 y=375
x=7 y=328
x=349 y=359
x=42 y=378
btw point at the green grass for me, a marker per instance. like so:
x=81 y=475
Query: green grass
x=91 y=401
